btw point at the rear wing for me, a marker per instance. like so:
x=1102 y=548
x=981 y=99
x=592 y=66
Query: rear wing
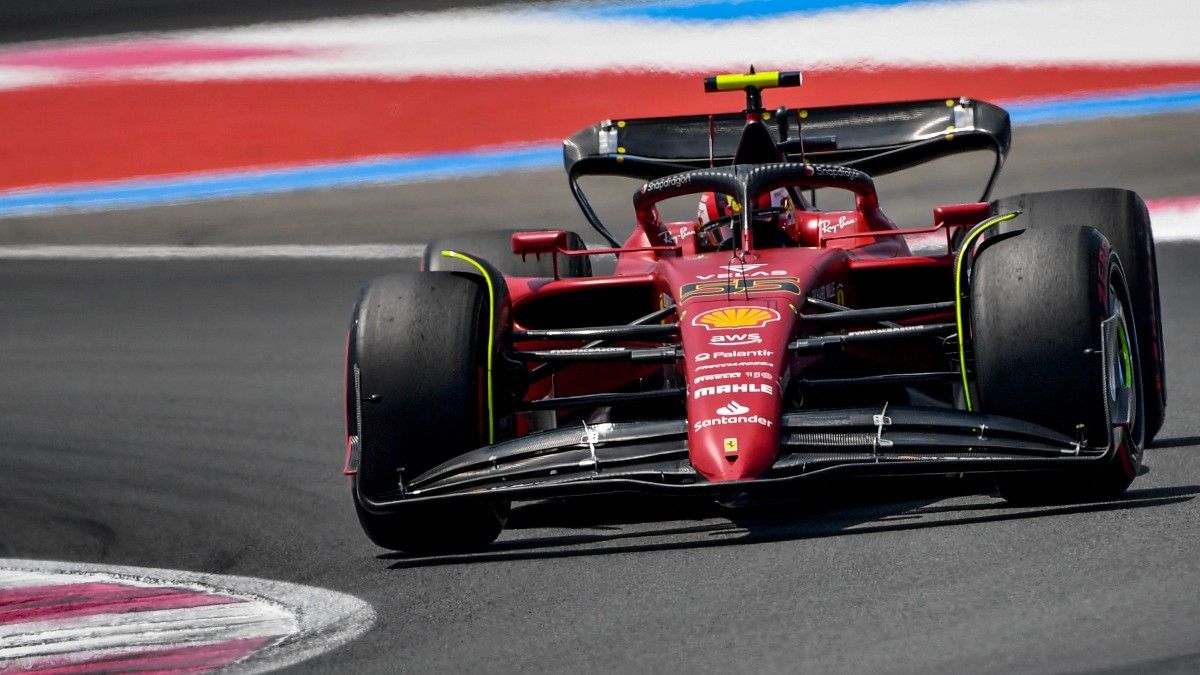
x=876 y=138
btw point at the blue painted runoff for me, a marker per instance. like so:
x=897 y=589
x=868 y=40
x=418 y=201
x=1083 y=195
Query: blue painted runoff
x=714 y=10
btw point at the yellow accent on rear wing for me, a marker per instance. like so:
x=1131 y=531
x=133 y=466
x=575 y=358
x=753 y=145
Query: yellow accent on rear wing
x=767 y=80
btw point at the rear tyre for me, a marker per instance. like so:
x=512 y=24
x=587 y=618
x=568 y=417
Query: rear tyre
x=495 y=246
x=414 y=371
x=1122 y=218
x=1037 y=303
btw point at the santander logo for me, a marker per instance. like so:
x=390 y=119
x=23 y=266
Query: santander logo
x=733 y=408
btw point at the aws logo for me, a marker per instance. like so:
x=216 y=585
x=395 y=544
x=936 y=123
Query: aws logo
x=739 y=286
x=735 y=340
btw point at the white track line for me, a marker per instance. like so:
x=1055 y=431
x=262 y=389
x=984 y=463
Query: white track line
x=20 y=579
x=520 y=40
x=351 y=252
x=1176 y=219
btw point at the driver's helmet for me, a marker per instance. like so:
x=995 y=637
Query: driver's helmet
x=714 y=206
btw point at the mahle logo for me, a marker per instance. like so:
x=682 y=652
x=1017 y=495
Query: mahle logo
x=749 y=388
x=728 y=318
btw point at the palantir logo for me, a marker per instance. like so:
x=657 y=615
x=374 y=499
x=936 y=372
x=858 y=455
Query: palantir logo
x=733 y=408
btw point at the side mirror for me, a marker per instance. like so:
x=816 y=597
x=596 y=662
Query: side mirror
x=962 y=215
x=537 y=243
x=547 y=241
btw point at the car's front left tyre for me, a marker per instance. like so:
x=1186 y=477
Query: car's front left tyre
x=1121 y=216
x=1039 y=301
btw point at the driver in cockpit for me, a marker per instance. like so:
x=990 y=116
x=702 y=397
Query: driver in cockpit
x=773 y=224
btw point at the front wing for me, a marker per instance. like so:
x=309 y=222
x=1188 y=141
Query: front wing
x=651 y=457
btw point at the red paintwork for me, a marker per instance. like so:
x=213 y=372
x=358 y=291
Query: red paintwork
x=736 y=374
x=546 y=242
x=524 y=289
x=905 y=261
x=961 y=214
x=748 y=411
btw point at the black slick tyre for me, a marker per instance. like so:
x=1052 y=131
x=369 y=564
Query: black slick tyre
x=495 y=246
x=1121 y=216
x=415 y=363
x=1037 y=303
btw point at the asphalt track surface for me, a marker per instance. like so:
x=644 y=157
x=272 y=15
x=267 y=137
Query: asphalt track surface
x=187 y=415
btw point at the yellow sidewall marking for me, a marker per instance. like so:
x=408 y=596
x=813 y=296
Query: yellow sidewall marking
x=964 y=250
x=491 y=342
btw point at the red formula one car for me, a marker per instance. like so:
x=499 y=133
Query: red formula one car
x=764 y=343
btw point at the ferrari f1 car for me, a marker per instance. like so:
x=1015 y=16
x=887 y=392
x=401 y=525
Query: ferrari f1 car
x=766 y=343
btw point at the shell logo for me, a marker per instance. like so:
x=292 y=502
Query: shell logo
x=736 y=317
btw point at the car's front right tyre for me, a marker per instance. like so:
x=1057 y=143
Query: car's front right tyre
x=415 y=397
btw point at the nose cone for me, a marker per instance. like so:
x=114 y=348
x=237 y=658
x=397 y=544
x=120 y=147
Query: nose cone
x=736 y=441
x=734 y=356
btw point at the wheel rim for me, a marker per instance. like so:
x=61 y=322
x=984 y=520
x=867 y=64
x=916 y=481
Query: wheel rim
x=1123 y=374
